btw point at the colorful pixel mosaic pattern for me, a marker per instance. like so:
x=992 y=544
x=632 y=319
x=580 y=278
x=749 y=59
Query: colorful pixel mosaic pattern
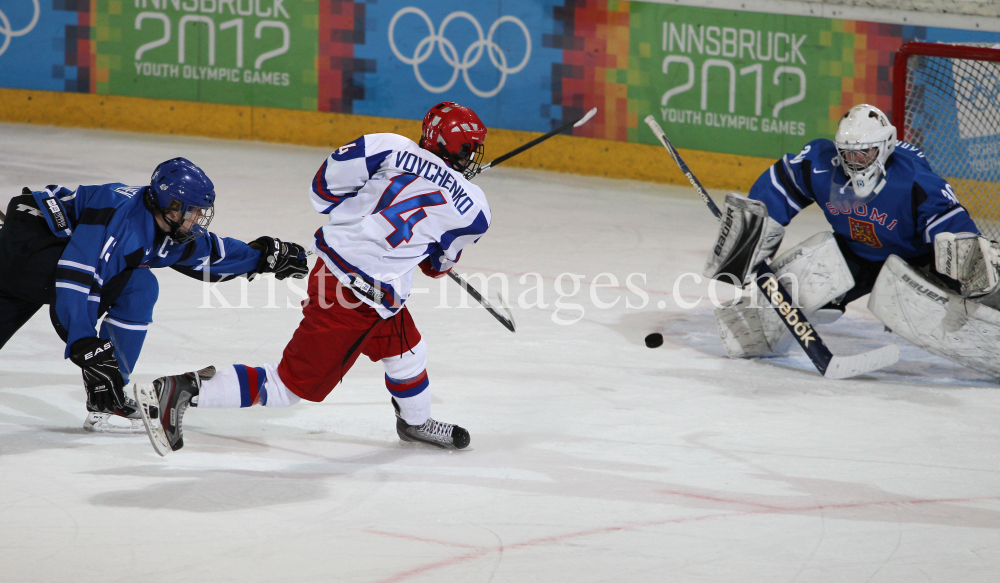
x=79 y=67
x=342 y=25
x=864 y=65
x=594 y=38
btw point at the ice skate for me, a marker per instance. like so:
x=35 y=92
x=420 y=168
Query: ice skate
x=443 y=435
x=126 y=420
x=162 y=405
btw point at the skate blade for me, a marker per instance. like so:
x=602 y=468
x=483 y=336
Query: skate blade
x=424 y=446
x=102 y=423
x=145 y=396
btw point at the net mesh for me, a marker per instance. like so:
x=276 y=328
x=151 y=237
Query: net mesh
x=952 y=114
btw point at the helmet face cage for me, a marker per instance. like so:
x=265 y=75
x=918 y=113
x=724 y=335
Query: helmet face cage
x=187 y=223
x=185 y=198
x=864 y=141
x=468 y=161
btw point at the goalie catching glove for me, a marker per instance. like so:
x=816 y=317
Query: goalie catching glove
x=281 y=258
x=101 y=375
x=748 y=236
x=970 y=259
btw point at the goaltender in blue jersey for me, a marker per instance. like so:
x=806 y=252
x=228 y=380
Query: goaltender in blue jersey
x=87 y=254
x=908 y=207
x=893 y=220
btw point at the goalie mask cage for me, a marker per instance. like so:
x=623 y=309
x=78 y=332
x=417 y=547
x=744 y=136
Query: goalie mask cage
x=946 y=102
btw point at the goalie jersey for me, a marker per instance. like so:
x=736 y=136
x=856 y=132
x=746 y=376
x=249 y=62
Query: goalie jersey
x=391 y=204
x=912 y=206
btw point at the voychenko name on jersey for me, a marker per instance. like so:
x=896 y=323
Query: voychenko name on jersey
x=410 y=162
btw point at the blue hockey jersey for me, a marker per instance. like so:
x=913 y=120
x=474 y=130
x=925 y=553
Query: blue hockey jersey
x=109 y=229
x=913 y=206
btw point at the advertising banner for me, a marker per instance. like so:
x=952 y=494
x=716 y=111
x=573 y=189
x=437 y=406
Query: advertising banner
x=722 y=81
x=240 y=52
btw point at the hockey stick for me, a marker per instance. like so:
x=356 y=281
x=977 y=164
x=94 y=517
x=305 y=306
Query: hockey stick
x=507 y=321
x=540 y=139
x=828 y=365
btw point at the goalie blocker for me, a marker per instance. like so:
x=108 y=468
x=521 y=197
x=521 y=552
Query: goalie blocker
x=747 y=238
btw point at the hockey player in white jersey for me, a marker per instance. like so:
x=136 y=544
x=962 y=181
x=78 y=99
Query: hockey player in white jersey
x=393 y=205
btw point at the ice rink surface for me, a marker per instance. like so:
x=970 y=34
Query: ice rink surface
x=593 y=458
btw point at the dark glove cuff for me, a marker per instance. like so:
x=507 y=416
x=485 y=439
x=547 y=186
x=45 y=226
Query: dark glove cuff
x=90 y=351
x=266 y=246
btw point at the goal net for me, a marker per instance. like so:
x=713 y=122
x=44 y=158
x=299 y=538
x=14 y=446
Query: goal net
x=946 y=101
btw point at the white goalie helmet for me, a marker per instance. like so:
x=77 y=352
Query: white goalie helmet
x=865 y=139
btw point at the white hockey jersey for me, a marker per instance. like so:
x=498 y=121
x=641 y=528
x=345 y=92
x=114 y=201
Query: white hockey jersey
x=392 y=204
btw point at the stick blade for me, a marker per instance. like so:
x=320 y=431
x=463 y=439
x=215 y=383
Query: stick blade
x=509 y=324
x=586 y=118
x=844 y=367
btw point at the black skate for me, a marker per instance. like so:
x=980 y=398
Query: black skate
x=103 y=421
x=443 y=435
x=166 y=400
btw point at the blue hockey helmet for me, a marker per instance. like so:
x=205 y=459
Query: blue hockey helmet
x=185 y=197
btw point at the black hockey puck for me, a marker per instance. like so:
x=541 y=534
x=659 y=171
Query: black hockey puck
x=654 y=340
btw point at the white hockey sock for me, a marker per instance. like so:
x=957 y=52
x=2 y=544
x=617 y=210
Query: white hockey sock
x=239 y=385
x=406 y=379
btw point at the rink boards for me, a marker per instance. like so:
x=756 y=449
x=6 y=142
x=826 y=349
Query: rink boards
x=734 y=88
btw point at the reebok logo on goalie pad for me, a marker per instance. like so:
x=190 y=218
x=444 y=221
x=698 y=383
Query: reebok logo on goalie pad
x=864 y=232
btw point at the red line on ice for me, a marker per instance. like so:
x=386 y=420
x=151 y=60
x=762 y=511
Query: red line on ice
x=764 y=509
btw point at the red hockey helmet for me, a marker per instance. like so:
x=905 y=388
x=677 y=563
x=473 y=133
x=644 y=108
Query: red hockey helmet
x=456 y=135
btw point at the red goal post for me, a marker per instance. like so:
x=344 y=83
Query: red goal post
x=946 y=102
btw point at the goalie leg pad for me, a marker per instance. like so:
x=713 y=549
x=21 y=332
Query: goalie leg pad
x=747 y=237
x=748 y=331
x=935 y=319
x=814 y=271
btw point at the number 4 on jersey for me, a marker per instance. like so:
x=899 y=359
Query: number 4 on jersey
x=404 y=227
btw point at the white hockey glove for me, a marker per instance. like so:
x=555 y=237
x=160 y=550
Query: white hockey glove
x=747 y=238
x=970 y=259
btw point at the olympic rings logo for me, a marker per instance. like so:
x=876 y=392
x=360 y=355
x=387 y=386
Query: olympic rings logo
x=471 y=56
x=8 y=32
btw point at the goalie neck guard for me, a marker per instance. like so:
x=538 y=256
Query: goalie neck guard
x=184 y=196
x=456 y=135
x=865 y=139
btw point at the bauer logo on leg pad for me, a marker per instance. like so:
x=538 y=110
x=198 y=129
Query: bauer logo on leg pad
x=790 y=313
x=920 y=289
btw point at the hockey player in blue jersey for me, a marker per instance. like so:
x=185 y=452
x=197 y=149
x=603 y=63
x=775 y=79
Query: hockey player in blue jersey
x=882 y=200
x=87 y=253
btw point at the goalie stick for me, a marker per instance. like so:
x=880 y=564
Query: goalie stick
x=828 y=364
